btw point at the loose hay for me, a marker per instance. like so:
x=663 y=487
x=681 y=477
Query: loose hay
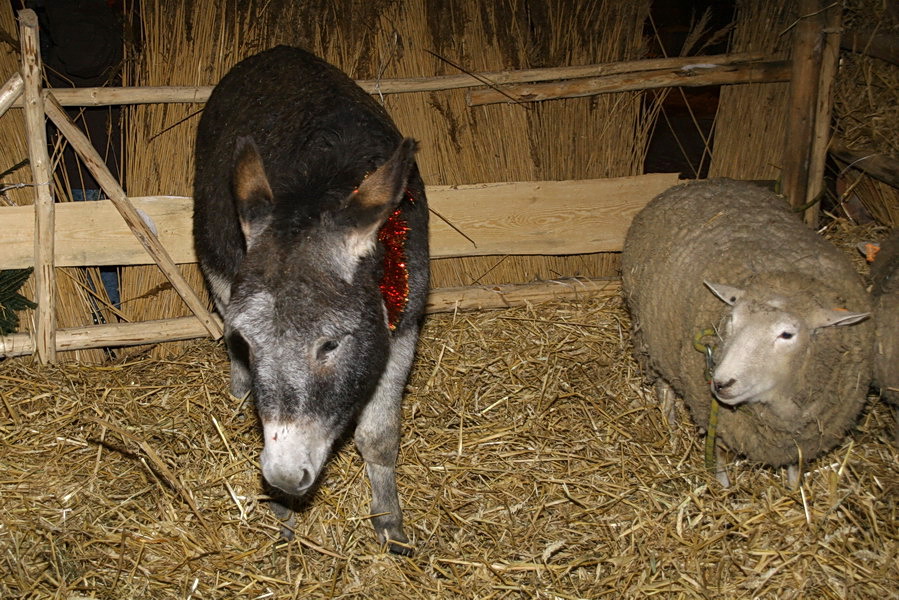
x=535 y=464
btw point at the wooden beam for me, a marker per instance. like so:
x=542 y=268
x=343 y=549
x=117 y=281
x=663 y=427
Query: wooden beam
x=879 y=166
x=829 y=37
x=110 y=335
x=695 y=75
x=110 y=96
x=801 y=110
x=94 y=163
x=439 y=300
x=482 y=297
x=44 y=223
x=540 y=217
x=10 y=92
x=883 y=45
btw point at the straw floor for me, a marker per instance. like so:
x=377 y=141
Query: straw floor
x=535 y=464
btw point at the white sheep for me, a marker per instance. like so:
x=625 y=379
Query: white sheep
x=885 y=291
x=727 y=265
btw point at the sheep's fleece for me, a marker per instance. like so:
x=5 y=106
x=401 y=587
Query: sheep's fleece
x=735 y=233
x=885 y=289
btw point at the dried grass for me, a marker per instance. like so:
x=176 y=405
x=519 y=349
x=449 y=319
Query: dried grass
x=866 y=109
x=535 y=463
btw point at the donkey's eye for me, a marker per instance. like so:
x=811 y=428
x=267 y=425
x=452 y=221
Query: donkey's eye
x=326 y=347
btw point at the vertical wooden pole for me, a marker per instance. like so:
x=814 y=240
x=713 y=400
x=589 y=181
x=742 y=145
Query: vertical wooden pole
x=44 y=214
x=815 y=52
x=831 y=20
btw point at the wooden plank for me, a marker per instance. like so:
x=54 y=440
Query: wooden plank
x=94 y=233
x=549 y=217
x=543 y=217
x=439 y=300
x=43 y=210
x=879 y=44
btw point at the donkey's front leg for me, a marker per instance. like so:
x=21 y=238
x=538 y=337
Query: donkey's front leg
x=378 y=438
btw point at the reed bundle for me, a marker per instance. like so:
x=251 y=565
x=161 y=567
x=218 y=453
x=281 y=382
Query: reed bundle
x=750 y=125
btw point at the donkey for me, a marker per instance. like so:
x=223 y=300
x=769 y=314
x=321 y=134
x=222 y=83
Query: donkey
x=311 y=229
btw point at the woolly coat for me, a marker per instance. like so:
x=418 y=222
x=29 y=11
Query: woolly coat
x=885 y=291
x=735 y=233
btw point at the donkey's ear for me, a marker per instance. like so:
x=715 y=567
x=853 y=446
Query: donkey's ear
x=377 y=197
x=251 y=189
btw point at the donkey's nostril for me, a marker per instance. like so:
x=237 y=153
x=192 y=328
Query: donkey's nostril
x=307 y=478
x=295 y=482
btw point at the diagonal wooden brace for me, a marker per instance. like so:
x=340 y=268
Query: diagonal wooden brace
x=10 y=92
x=142 y=232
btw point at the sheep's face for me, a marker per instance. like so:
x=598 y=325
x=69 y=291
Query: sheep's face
x=765 y=344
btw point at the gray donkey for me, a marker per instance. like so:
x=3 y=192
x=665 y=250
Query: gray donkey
x=311 y=228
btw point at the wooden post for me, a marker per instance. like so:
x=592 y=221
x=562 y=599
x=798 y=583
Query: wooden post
x=94 y=163
x=831 y=20
x=36 y=132
x=815 y=50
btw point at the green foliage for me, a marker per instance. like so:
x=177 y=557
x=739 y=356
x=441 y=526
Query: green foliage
x=10 y=299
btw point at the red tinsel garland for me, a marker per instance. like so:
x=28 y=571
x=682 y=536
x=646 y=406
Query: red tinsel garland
x=395 y=280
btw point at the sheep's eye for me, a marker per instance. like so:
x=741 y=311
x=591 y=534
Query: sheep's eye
x=786 y=335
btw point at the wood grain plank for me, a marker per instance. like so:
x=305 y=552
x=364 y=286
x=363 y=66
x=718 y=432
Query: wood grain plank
x=543 y=217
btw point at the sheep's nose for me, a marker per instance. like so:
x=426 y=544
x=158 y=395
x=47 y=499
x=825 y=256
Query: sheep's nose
x=719 y=387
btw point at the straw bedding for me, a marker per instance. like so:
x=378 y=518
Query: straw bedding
x=534 y=464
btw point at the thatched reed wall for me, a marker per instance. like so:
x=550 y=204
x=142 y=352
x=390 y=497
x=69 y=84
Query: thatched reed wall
x=750 y=126
x=195 y=43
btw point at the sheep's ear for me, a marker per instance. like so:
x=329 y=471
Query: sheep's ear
x=251 y=189
x=727 y=293
x=834 y=317
x=369 y=206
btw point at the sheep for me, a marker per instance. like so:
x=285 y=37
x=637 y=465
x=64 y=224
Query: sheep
x=885 y=292
x=730 y=259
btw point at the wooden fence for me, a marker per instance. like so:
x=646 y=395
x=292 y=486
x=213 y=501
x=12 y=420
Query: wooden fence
x=552 y=218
